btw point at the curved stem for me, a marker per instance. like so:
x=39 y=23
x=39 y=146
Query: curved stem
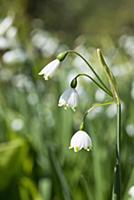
x=117 y=171
x=97 y=76
x=91 y=108
x=94 y=82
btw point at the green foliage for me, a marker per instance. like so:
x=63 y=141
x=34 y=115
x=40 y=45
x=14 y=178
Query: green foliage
x=35 y=162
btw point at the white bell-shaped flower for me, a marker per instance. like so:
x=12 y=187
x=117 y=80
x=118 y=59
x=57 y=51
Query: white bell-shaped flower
x=69 y=99
x=49 y=70
x=80 y=140
x=131 y=192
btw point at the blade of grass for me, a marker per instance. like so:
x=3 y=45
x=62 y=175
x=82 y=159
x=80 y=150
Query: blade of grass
x=59 y=174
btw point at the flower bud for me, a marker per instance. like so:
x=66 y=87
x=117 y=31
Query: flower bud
x=62 y=56
x=73 y=83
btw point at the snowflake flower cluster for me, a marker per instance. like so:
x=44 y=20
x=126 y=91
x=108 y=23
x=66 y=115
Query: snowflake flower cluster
x=69 y=99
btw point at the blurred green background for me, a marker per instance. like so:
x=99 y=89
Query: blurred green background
x=35 y=163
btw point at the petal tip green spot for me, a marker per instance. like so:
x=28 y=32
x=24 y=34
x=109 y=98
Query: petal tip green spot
x=76 y=149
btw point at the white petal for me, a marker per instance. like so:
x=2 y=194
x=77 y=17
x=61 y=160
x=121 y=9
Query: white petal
x=81 y=140
x=73 y=99
x=131 y=191
x=49 y=69
x=62 y=102
x=64 y=97
x=69 y=98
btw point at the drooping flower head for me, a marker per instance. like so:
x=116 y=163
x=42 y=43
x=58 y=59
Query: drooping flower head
x=80 y=140
x=49 y=70
x=69 y=99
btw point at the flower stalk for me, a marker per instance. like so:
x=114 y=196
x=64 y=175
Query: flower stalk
x=96 y=105
x=116 y=195
x=70 y=98
x=94 y=81
x=91 y=68
x=117 y=170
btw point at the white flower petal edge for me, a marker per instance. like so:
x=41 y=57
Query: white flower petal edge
x=81 y=140
x=49 y=69
x=131 y=192
x=69 y=98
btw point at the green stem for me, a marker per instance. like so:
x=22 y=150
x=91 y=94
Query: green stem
x=93 y=81
x=97 y=76
x=117 y=171
x=90 y=109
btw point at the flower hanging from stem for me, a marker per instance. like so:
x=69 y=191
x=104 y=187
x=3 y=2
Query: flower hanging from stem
x=81 y=140
x=49 y=70
x=69 y=99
